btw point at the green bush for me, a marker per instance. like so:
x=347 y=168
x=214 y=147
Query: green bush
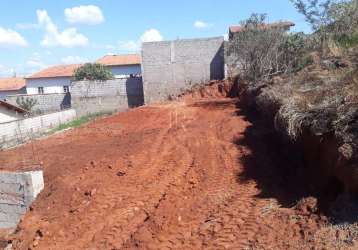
x=93 y=71
x=260 y=53
x=303 y=62
x=293 y=47
x=348 y=41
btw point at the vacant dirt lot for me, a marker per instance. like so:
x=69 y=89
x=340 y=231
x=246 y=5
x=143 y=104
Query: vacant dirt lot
x=189 y=174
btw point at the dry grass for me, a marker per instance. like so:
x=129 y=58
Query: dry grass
x=310 y=99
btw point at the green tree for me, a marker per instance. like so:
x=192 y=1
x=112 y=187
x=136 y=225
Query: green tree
x=93 y=71
x=332 y=20
x=316 y=12
x=344 y=28
x=26 y=103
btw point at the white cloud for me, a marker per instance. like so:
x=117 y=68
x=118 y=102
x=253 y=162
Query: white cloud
x=151 y=35
x=53 y=37
x=129 y=46
x=89 y=14
x=31 y=63
x=201 y=24
x=73 y=60
x=10 y=38
x=6 y=71
x=102 y=46
x=27 y=26
x=35 y=63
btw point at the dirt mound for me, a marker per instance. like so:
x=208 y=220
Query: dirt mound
x=165 y=176
x=213 y=89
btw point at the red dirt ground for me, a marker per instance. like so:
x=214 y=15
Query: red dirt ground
x=164 y=176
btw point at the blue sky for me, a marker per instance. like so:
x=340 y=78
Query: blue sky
x=37 y=33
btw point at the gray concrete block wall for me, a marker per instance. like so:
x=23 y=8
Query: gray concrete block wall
x=98 y=88
x=17 y=191
x=171 y=67
x=89 y=97
x=46 y=103
x=93 y=105
x=17 y=132
x=232 y=62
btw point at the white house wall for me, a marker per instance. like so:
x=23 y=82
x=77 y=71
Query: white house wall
x=125 y=70
x=55 y=84
x=3 y=94
x=50 y=85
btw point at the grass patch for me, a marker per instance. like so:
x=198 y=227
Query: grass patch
x=303 y=62
x=80 y=121
x=348 y=41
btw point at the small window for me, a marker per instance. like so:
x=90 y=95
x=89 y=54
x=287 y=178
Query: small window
x=66 y=89
x=40 y=90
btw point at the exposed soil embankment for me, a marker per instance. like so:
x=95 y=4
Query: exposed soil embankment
x=315 y=112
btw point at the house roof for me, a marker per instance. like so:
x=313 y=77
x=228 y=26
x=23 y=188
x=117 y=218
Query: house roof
x=14 y=83
x=13 y=107
x=56 y=71
x=116 y=60
x=281 y=24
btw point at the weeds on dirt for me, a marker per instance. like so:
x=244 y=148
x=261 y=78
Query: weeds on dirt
x=79 y=121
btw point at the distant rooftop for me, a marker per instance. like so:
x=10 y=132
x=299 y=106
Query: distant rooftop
x=11 y=84
x=281 y=24
x=56 y=71
x=69 y=70
x=13 y=107
x=118 y=60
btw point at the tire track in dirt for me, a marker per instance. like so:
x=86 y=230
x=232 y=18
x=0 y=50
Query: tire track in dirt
x=218 y=173
x=119 y=230
x=120 y=222
x=179 y=165
x=157 y=177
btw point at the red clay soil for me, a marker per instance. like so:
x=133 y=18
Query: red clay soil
x=161 y=177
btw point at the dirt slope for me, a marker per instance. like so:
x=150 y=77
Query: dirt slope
x=163 y=177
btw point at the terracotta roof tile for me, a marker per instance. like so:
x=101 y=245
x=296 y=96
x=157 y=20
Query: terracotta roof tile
x=56 y=71
x=114 y=60
x=8 y=84
x=282 y=24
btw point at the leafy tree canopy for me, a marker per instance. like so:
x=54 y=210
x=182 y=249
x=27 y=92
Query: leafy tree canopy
x=93 y=71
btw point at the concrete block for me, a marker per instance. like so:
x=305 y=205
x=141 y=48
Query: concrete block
x=17 y=191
